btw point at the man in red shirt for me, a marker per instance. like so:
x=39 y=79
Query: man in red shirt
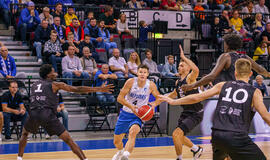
x=77 y=30
x=168 y=5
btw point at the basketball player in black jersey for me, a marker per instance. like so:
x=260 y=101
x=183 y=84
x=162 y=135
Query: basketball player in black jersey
x=192 y=115
x=43 y=108
x=237 y=103
x=224 y=68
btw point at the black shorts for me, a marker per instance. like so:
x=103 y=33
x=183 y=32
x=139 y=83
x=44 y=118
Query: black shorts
x=189 y=120
x=239 y=146
x=45 y=118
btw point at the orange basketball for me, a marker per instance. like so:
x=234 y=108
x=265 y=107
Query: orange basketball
x=145 y=113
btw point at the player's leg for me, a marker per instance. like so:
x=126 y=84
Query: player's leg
x=1 y=124
x=22 y=143
x=118 y=143
x=178 y=138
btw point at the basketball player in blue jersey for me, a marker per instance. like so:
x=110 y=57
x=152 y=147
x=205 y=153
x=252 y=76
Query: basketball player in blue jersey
x=134 y=94
x=238 y=101
x=192 y=115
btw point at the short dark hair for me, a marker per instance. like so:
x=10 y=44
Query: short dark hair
x=44 y=70
x=107 y=8
x=87 y=35
x=233 y=41
x=143 y=66
x=57 y=4
x=148 y=51
x=13 y=81
x=74 y=19
x=92 y=19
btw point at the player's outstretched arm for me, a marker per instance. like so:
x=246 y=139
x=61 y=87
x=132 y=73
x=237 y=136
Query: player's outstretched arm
x=260 y=107
x=258 y=68
x=220 y=65
x=194 y=98
x=81 y=89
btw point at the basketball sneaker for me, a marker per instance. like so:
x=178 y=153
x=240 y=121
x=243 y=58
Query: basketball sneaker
x=124 y=157
x=197 y=154
x=118 y=155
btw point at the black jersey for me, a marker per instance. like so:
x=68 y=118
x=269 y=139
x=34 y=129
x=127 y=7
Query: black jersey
x=228 y=74
x=233 y=111
x=180 y=93
x=42 y=95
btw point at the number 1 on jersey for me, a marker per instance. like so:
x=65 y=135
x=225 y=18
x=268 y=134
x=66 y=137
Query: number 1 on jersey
x=39 y=88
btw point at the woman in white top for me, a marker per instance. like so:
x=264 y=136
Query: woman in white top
x=122 y=26
x=133 y=63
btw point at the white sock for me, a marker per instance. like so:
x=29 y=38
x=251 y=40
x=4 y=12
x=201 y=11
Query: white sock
x=126 y=153
x=180 y=157
x=86 y=159
x=194 y=148
x=19 y=158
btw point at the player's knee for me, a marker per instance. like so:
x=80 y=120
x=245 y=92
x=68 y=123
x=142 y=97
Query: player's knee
x=117 y=142
x=133 y=132
x=178 y=133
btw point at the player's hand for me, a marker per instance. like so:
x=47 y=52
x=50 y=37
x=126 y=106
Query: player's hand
x=107 y=88
x=59 y=109
x=187 y=87
x=181 y=51
x=166 y=99
x=17 y=112
x=22 y=111
x=135 y=110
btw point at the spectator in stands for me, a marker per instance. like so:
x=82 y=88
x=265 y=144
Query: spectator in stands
x=258 y=25
x=169 y=69
x=249 y=9
x=59 y=13
x=45 y=15
x=237 y=24
x=179 y=5
x=261 y=8
x=143 y=33
x=225 y=22
x=133 y=63
x=89 y=64
x=216 y=32
x=186 y=6
x=260 y=85
x=53 y=50
x=5 y=10
x=220 y=4
x=260 y=51
x=94 y=32
x=42 y=35
x=227 y=5
x=122 y=26
x=70 y=15
x=103 y=76
x=266 y=36
x=200 y=9
x=212 y=4
x=87 y=43
x=118 y=65
x=64 y=2
x=61 y=31
x=72 y=67
x=121 y=4
x=168 y=5
x=152 y=65
x=90 y=15
x=203 y=4
x=107 y=39
x=134 y=4
x=77 y=30
x=70 y=42
x=28 y=21
x=108 y=19
x=8 y=66
x=13 y=108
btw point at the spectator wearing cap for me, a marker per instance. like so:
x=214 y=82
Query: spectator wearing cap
x=77 y=30
x=61 y=31
x=59 y=13
x=45 y=15
x=5 y=10
x=108 y=19
x=28 y=21
x=70 y=15
x=134 y=4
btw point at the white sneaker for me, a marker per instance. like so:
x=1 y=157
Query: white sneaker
x=47 y=136
x=0 y=138
x=118 y=155
x=40 y=61
x=198 y=153
x=124 y=157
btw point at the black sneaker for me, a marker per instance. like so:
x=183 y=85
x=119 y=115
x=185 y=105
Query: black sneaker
x=198 y=153
x=8 y=138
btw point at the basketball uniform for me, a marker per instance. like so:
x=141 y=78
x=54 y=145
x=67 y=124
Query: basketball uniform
x=43 y=109
x=138 y=97
x=231 y=123
x=193 y=113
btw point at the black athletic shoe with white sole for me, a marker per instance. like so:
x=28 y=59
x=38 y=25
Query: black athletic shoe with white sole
x=198 y=153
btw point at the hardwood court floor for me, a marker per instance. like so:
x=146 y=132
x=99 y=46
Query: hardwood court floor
x=141 y=153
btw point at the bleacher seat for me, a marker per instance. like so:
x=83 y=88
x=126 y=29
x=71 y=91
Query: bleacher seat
x=102 y=54
x=127 y=52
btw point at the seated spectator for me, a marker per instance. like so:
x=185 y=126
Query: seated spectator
x=118 y=65
x=108 y=19
x=61 y=31
x=90 y=15
x=70 y=42
x=199 y=9
x=64 y=2
x=53 y=50
x=225 y=22
x=5 y=10
x=179 y=5
x=28 y=21
x=122 y=26
x=133 y=63
x=266 y=35
x=102 y=76
x=107 y=39
x=121 y=4
x=13 y=108
x=260 y=51
x=42 y=35
x=143 y=3
x=94 y=32
x=220 y=4
x=227 y=5
x=70 y=15
x=152 y=65
x=72 y=67
x=45 y=15
x=236 y=21
x=203 y=4
x=216 y=33
x=261 y=8
x=169 y=69
x=143 y=33
x=258 y=25
x=59 y=13
x=249 y=9
x=77 y=30
x=168 y=5
x=87 y=43
x=8 y=66
x=260 y=85
x=89 y=64
x=186 y=6
x=134 y=4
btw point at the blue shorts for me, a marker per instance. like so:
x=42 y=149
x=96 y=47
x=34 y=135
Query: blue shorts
x=125 y=121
